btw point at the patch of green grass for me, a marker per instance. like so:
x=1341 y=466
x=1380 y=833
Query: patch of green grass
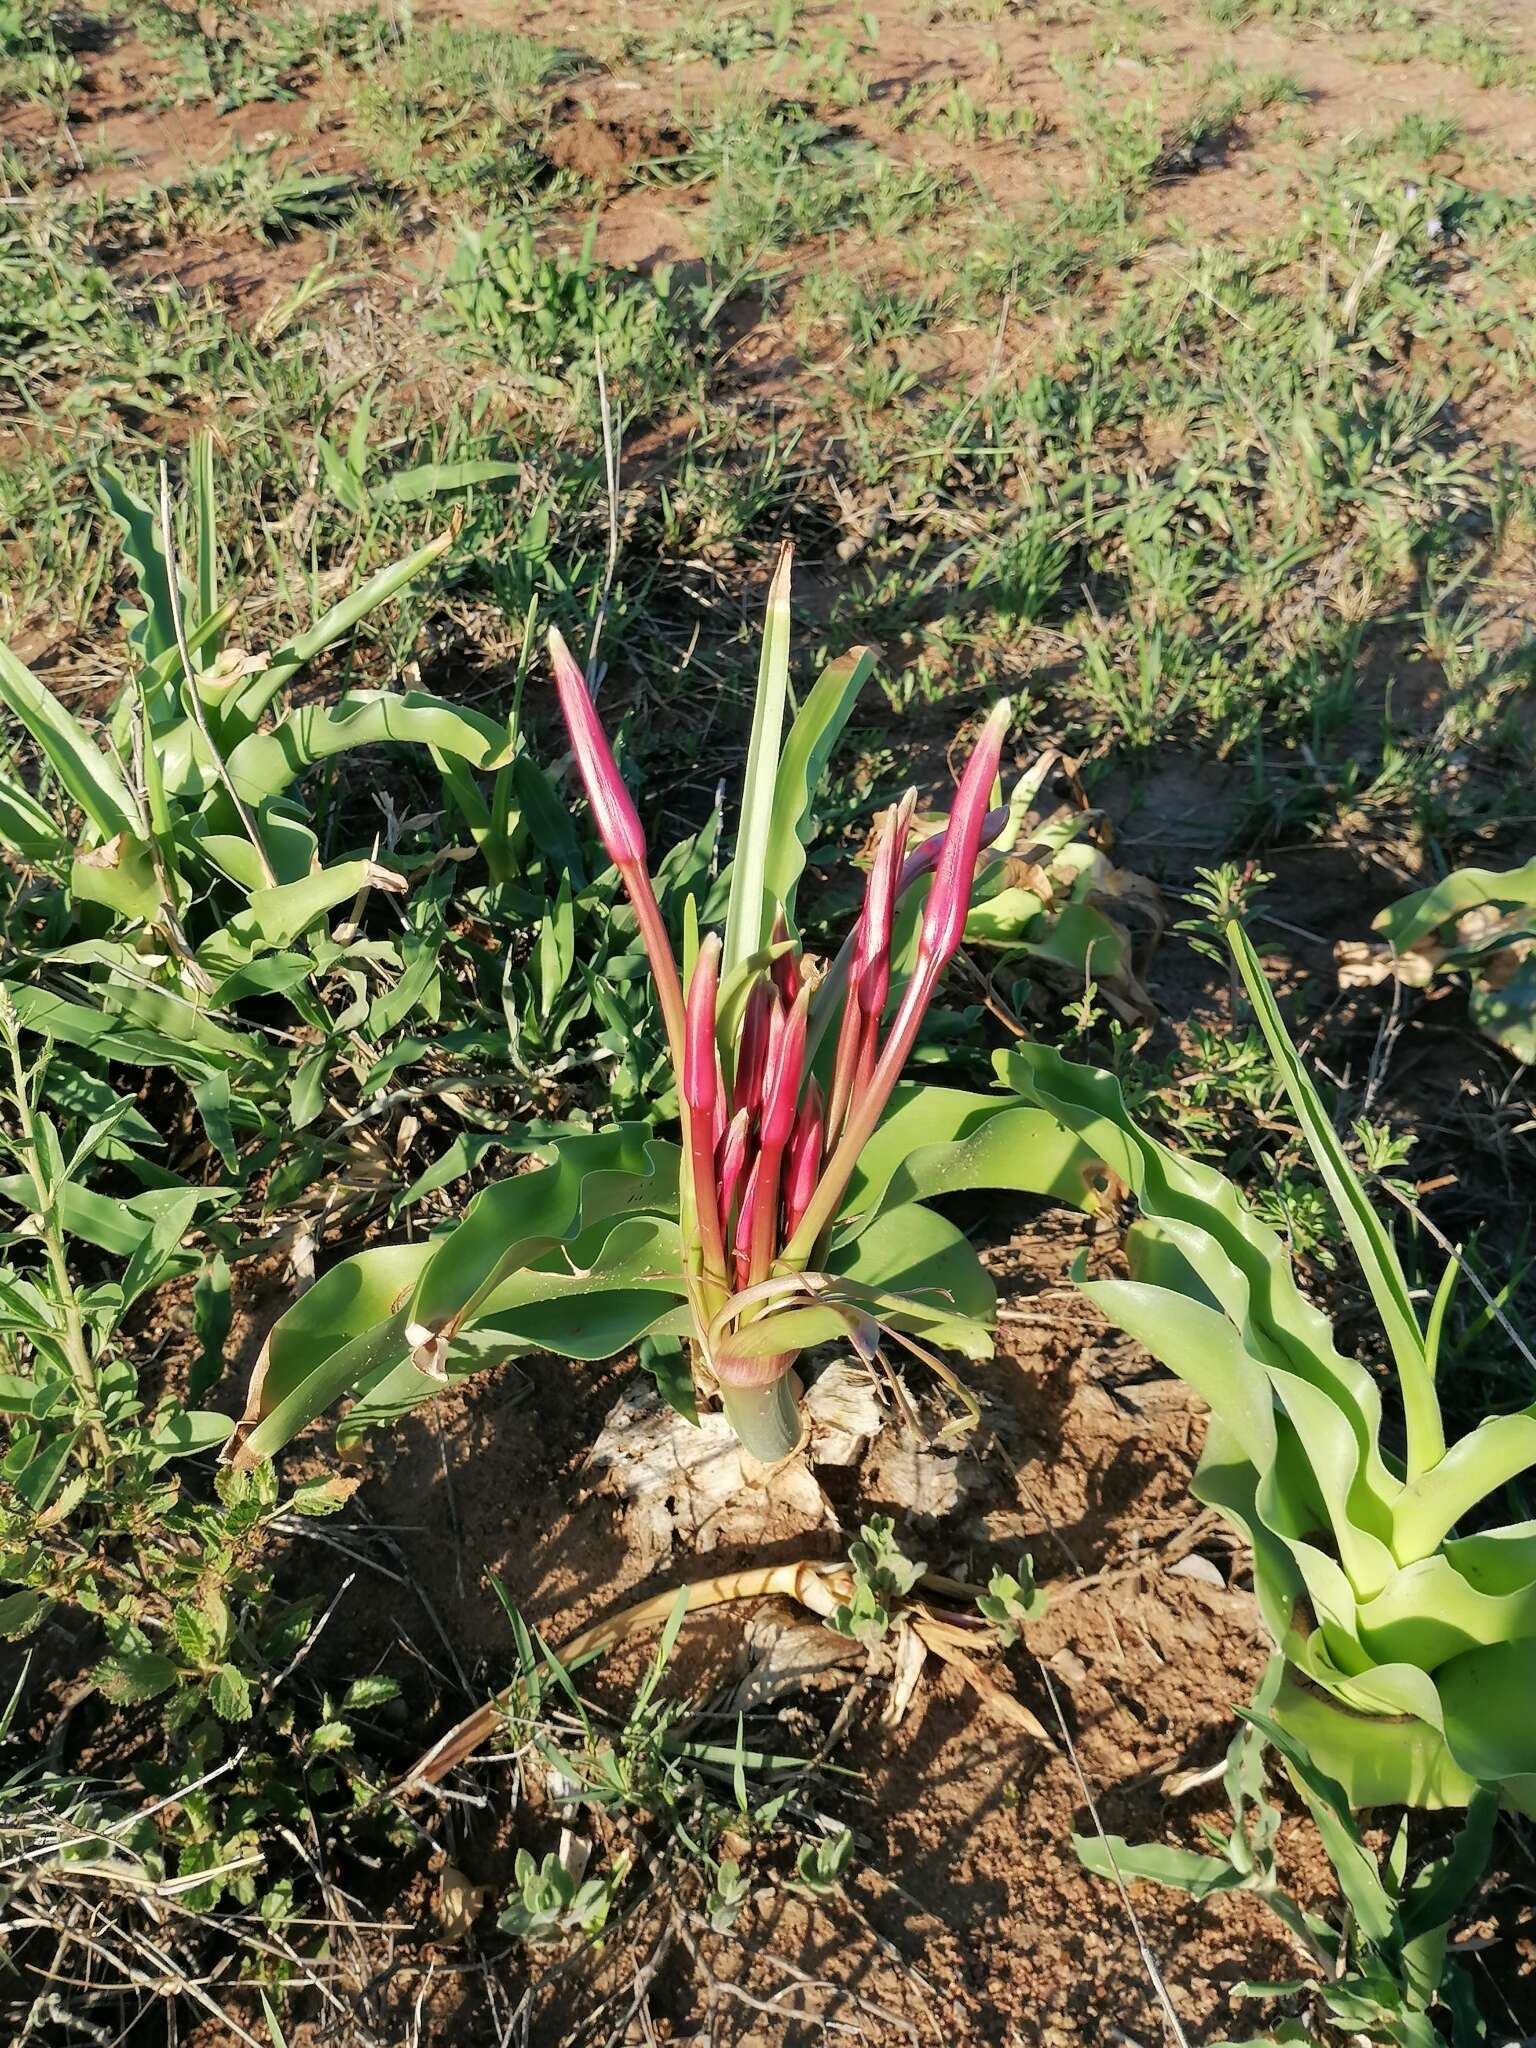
x=459 y=109
x=953 y=111
x=1425 y=135
x=34 y=63
x=780 y=177
x=240 y=54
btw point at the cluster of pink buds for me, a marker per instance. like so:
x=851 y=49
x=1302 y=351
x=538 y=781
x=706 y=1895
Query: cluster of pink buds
x=768 y=1148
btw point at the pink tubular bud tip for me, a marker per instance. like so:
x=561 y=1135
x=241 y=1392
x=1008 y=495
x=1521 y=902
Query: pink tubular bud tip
x=925 y=855
x=731 y=1162
x=613 y=812
x=781 y=1078
x=752 y=1053
x=954 y=876
x=701 y=1078
x=803 y=1160
x=872 y=966
x=786 y=966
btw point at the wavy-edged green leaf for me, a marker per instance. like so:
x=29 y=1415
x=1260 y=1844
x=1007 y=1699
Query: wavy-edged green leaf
x=264 y=764
x=85 y=771
x=518 y=1222
x=349 y=1326
x=601 y=1293
x=927 y=1276
x=946 y=1141
x=1428 y=1614
x=1475 y=1468
x=1421 y=915
x=1239 y=1261
x=153 y=633
x=275 y=919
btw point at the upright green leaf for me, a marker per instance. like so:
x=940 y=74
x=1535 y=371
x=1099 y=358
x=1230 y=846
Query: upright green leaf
x=155 y=634
x=1369 y=1236
x=816 y=729
x=205 y=514
x=749 y=916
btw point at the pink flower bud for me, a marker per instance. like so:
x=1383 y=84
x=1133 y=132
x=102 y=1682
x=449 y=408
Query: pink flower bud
x=701 y=1076
x=871 y=975
x=613 y=812
x=803 y=1160
x=781 y=1076
x=752 y=1054
x=731 y=1162
x=746 y=1223
x=925 y=856
x=786 y=967
x=955 y=875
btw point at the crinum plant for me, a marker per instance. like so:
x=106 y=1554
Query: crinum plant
x=1406 y=1612
x=791 y=1213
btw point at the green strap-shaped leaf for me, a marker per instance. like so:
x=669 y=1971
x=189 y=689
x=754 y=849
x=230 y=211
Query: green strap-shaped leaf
x=598 y=1295
x=1428 y=1614
x=432 y=479
x=333 y=626
x=816 y=729
x=928 y=1279
x=1203 y=1348
x=749 y=916
x=1443 y=1887
x=276 y=918
x=1354 y=1865
x=786 y=1330
x=1239 y=1261
x=27 y=827
x=205 y=521
x=1472 y=1470
x=1369 y=1236
x=349 y=1324
x=74 y=756
x=116 y=1224
x=1157 y=1863
x=143 y=1026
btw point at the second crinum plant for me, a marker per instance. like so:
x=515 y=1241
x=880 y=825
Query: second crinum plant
x=1405 y=1611
x=791 y=1214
